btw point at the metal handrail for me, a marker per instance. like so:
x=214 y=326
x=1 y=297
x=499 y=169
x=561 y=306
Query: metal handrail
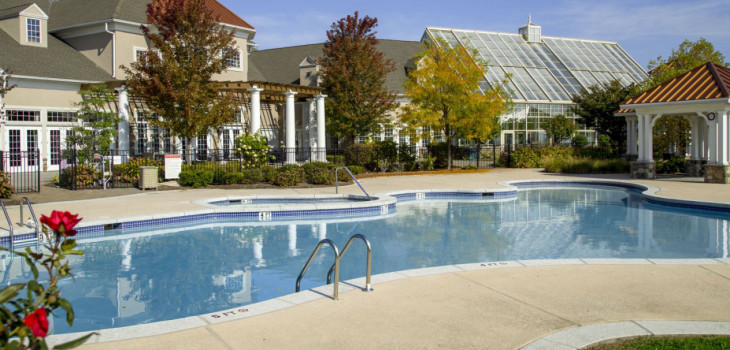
x=10 y=225
x=32 y=214
x=367 y=266
x=337 y=265
x=337 y=186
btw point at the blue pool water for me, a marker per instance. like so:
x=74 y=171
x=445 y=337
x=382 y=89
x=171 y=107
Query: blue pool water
x=132 y=278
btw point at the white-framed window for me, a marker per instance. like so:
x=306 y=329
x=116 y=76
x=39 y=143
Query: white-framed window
x=140 y=52
x=61 y=117
x=233 y=62
x=33 y=30
x=17 y=115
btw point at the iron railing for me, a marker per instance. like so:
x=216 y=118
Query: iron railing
x=23 y=168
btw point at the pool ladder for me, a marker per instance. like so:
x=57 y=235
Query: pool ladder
x=336 y=265
x=11 y=228
x=337 y=186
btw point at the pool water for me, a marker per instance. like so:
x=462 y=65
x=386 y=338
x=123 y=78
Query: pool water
x=127 y=279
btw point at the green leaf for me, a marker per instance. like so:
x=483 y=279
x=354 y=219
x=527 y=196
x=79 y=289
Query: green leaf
x=74 y=343
x=68 y=245
x=10 y=292
x=66 y=306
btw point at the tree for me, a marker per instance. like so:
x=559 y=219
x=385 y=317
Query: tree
x=5 y=87
x=353 y=75
x=596 y=105
x=673 y=131
x=559 y=128
x=445 y=96
x=176 y=83
x=689 y=55
x=98 y=127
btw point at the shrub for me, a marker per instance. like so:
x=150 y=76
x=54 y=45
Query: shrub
x=572 y=165
x=356 y=169
x=289 y=175
x=406 y=158
x=386 y=154
x=671 y=166
x=253 y=150
x=579 y=141
x=343 y=176
x=233 y=178
x=321 y=176
x=6 y=189
x=219 y=176
x=86 y=175
x=311 y=167
x=253 y=176
x=360 y=154
x=268 y=173
x=604 y=142
x=129 y=171
x=525 y=157
x=195 y=178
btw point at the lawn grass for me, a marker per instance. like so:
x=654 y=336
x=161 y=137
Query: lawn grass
x=667 y=343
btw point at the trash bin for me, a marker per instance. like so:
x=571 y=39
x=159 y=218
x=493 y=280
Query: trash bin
x=147 y=177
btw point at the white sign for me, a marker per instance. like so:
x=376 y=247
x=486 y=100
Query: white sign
x=173 y=166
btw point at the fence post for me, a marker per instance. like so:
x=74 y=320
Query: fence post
x=73 y=168
x=494 y=154
x=38 y=168
x=479 y=153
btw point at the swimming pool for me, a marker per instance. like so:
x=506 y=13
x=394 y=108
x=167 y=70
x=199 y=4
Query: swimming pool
x=139 y=276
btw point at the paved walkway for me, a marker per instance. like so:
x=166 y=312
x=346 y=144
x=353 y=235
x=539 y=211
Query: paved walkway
x=483 y=308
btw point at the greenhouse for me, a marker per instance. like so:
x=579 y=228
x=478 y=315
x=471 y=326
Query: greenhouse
x=544 y=72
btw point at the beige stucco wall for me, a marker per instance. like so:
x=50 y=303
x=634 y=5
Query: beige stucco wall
x=23 y=23
x=237 y=74
x=96 y=47
x=32 y=97
x=12 y=27
x=127 y=43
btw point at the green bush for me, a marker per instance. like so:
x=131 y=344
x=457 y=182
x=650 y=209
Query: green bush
x=86 y=175
x=360 y=154
x=219 y=176
x=129 y=171
x=525 y=157
x=6 y=189
x=604 y=141
x=579 y=141
x=356 y=169
x=253 y=176
x=671 y=166
x=196 y=178
x=268 y=173
x=406 y=158
x=572 y=165
x=593 y=153
x=253 y=150
x=289 y=175
x=343 y=176
x=233 y=178
x=321 y=176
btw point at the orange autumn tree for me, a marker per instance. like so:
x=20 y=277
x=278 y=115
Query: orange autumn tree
x=176 y=82
x=445 y=96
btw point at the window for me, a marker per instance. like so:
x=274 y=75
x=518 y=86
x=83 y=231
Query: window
x=202 y=147
x=33 y=30
x=15 y=115
x=61 y=117
x=55 y=147
x=141 y=138
x=138 y=54
x=234 y=61
x=156 y=139
x=14 y=142
x=31 y=146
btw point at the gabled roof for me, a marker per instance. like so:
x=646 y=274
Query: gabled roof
x=13 y=11
x=67 y=13
x=57 y=61
x=708 y=81
x=282 y=65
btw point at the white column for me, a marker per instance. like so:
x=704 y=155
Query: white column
x=322 y=231
x=321 y=135
x=642 y=142
x=648 y=139
x=123 y=113
x=255 y=109
x=290 y=143
x=722 y=134
x=712 y=142
x=312 y=127
x=628 y=136
x=694 y=149
x=258 y=251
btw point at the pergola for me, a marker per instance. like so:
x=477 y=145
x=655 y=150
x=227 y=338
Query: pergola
x=702 y=96
x=253 y=92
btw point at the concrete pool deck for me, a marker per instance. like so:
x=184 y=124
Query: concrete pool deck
x=483 y=308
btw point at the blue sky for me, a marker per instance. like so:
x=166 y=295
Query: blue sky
x=644 y=28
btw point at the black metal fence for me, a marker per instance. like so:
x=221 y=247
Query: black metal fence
x=120 y=169
x=23 y=169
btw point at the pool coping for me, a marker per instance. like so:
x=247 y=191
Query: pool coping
x=509 y=190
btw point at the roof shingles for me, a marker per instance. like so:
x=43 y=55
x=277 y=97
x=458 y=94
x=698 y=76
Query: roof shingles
x=709 y=81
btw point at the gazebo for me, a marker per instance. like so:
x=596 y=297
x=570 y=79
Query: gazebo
x=702 y=96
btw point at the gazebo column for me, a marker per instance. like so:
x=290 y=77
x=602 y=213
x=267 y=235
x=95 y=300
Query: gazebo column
x=644 y=167
x=311 y=117
x=694 y=165
x=717 y=169
x=290 y=128
x=123 y=125
x=321 y=135
x=255 y=109
x=631 y=150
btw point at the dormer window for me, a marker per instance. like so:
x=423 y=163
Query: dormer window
x=33 y=30
x=531 y=32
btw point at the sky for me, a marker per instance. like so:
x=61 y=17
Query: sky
x=646 y=29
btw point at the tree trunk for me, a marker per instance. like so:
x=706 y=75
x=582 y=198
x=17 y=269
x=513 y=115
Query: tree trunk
x=447 y=128
x=189 y=150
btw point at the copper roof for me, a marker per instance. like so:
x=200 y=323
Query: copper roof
x=708 y=81
x=226 y=15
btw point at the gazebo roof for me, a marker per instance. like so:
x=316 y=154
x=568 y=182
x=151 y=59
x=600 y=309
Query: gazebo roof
x=706 y=82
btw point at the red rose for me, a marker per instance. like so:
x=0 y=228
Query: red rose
x=37 y=322
x=61 y=222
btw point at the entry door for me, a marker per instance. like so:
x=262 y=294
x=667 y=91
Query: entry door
x=508 y=139
x=22 y=144
x=56 y=145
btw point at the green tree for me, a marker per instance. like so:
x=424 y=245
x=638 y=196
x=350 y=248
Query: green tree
x=445 y=95
x=176 y=83
x=5 y=87
x=596 y=105
x=353 y=75
x=689 y=55
x=559 y=128
x=98 y=127
x=672 y=132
